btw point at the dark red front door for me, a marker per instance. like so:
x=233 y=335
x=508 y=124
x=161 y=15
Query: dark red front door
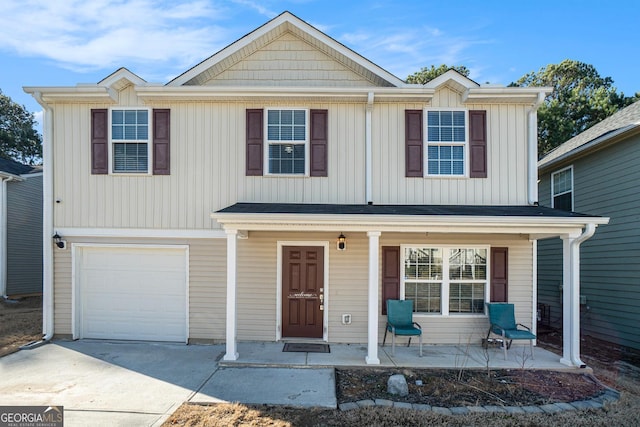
x=302 y=291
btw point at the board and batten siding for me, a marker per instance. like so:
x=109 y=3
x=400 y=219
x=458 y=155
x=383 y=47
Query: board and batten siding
x=506 y=183
x=24 y=236
x=605 y=183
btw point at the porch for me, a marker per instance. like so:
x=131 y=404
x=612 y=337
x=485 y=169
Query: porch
x=270 y=354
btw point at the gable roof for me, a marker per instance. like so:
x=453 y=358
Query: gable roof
x=623 y=122
x=285 y=22
x=11 y=167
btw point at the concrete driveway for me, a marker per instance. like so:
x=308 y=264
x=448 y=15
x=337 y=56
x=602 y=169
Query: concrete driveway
x=141 y=384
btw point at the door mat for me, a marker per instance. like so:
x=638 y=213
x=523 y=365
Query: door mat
x=292 y=347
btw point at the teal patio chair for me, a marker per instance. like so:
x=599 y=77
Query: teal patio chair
x=502 y=322
x=400 y=322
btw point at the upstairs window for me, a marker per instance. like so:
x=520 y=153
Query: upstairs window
x=446 y=142
x=287 y=142
x=130 y=141
x=562 y=189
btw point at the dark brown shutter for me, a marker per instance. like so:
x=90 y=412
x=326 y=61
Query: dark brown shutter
x=414 y=159
x=390 y=275
x=99 y=141
x=255 y=142
x=499 y=274
x=478 y=143
x=318 y=142
x=161 y=141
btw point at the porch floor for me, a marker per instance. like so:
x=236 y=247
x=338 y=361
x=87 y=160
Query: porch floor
x=270 y=354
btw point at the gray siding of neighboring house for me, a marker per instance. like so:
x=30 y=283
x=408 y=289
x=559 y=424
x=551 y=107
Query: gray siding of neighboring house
x=24 y=236
x=606 y=184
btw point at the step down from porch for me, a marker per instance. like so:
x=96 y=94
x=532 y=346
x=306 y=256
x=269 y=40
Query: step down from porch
x=294 y=347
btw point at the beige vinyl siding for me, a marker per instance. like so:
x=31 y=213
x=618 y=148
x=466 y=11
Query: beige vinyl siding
x=207 y=169
x=62 y=304
x=506 y=183
x=288 y=61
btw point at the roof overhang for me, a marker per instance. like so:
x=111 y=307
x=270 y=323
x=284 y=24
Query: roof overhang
x=80 y=93
x=535 y=226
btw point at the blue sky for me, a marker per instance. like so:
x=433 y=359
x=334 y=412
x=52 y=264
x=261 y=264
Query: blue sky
x=65 y=42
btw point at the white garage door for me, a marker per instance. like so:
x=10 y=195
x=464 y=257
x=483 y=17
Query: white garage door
x=133 y=293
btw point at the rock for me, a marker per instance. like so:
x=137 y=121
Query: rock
x=397 y=384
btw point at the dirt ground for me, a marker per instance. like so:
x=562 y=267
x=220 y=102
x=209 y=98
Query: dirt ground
x=20 y=323
x=613 y=366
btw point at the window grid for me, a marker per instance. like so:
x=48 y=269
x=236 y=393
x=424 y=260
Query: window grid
x=130 y=141
x=446 y=139
x=453 y=284
x=287 y=141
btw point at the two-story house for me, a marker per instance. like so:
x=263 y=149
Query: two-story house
x=285 y=188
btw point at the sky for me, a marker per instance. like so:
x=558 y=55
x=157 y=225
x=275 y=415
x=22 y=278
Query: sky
x=66 y=42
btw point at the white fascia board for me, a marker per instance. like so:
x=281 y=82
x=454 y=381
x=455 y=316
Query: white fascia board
x=93 y=93
x=140 y=233
x=10 y=177
x=517 y=94
x=456 y=224
x=414 y=94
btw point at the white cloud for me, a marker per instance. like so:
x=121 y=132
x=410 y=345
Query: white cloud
x=103 y=34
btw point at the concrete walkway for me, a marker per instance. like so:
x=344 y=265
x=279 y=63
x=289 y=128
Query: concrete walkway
x=102 y=383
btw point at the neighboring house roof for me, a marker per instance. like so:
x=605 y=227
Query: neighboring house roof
x=622 y=122
x=11 y=167
x=421 y=210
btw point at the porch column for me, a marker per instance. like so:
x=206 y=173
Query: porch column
x=571 y=296
x=374 y=268
x=232 y=268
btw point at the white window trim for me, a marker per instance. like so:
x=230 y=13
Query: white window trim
x=465 y=144
x=553 y=196
x=446 y=281
x=149 y=171
x=306 y=142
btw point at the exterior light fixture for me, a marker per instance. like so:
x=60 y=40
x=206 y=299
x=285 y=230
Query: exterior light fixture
x=58 y=241
x=342 y=242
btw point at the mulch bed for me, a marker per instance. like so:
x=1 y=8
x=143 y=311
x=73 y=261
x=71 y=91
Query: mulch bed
x=450 y=388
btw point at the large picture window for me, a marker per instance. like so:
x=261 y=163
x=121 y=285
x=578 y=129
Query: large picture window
x=562 y=189
x=130 y=141
x=287 y=141
x=446 y=142
x=445 y=280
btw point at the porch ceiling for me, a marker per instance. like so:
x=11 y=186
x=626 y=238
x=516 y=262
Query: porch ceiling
x=536 y=221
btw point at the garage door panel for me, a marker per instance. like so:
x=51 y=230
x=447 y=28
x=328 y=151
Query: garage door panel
x=133 y=293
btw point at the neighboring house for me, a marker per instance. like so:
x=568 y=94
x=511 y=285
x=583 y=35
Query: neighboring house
x=210 y=208
x=598 y=171
x=20 y=229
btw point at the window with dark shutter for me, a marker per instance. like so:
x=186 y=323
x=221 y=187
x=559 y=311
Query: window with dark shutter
x=478 y=143
x=499 y=274
x=318 y=142
x=161 y=139
x=254 y=142
x=390 y=275
x=99 y=141
x=413 y=143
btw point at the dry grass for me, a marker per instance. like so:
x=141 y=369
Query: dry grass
x=20 y=323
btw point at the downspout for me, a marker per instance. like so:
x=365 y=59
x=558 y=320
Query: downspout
x=368 y=155
x=532 y=146
x=47 y=219
x=3 y=236
x=574 y=305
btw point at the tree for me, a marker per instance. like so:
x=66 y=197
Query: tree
x=427 y=74
x=580 y=99
x=19 y=139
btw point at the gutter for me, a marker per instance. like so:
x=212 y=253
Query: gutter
x=47 y=220
x=532 y=146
